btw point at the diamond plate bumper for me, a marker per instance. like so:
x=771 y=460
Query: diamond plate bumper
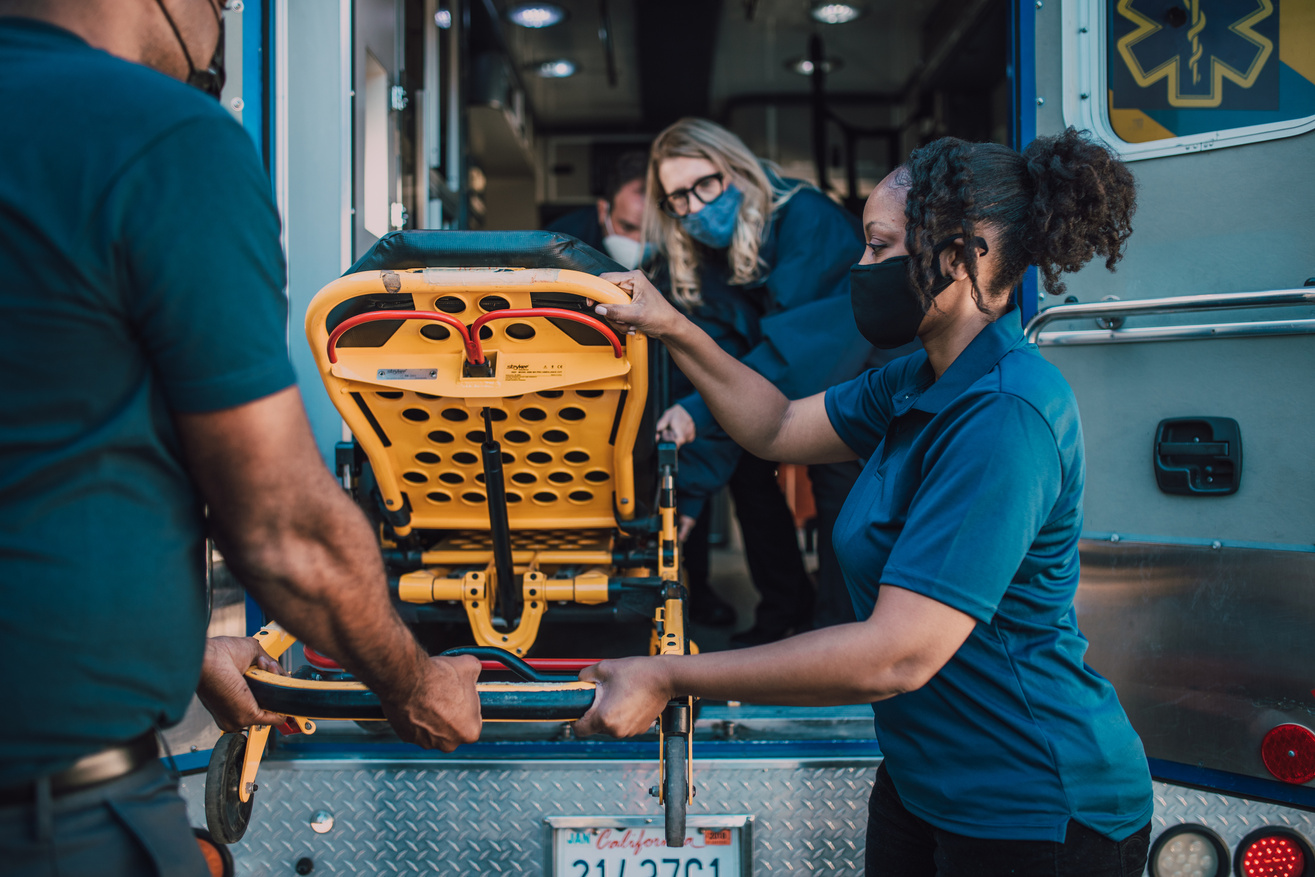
x=488 y=817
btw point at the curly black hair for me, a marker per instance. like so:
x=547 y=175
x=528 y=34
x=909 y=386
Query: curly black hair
x=1064 y=200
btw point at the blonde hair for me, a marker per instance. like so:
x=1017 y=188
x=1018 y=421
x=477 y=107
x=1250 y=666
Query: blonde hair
x=760 y=182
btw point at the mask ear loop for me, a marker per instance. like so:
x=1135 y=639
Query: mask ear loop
x=191 y=68
x=213 y=83
x=942 y=280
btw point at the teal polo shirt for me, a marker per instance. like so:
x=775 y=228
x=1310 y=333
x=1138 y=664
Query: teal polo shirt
x=972 y=496
x=140 y=275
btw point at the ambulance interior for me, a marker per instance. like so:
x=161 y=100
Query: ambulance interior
x=475 y=114
x=835 y=94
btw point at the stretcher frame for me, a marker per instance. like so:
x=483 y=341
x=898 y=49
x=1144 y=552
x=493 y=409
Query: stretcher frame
x=400 y=360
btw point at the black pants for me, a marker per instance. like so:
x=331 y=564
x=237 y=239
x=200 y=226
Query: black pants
x=902 y=845
x=135 y=826
x=771 y=548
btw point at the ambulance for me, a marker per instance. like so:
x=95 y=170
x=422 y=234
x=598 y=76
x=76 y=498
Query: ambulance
x=1193 y=366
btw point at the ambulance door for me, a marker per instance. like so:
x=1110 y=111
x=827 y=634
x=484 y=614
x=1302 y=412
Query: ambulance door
x=1198 y=587
x=377 y=57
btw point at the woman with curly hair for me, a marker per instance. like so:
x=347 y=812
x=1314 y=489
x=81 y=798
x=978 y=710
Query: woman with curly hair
x=1004 y=752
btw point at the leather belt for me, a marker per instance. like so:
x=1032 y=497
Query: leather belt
x=89 y=770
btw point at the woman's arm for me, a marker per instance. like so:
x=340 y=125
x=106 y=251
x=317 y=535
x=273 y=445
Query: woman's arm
x=751 y=410
x=903 y=644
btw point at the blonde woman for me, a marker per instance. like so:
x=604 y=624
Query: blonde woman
x=761 y=264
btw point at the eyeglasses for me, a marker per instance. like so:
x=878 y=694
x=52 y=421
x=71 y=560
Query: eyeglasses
x=705 y=189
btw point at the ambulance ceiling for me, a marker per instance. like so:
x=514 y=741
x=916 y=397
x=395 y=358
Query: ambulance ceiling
x=682 y=57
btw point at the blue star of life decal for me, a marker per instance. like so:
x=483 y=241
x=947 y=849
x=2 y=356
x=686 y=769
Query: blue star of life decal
x=1194 y=46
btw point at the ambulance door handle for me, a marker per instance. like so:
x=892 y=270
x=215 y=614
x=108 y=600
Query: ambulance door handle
x=1198 y=456
x=1192 y=449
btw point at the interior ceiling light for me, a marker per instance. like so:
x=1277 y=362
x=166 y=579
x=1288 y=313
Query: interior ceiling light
x=835 y=13
x=443 y=18
x=804 y=67
x=536 y=15
x=558 y=69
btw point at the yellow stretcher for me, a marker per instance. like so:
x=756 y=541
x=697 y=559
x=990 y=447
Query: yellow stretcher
x=496 y=423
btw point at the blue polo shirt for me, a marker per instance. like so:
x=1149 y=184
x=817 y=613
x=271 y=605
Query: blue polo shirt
x=972 y=496
x=140 y=276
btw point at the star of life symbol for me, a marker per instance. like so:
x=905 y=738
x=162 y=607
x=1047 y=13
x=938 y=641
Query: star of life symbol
x=1216 y=46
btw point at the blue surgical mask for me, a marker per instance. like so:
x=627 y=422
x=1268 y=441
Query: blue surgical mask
x=714 y=225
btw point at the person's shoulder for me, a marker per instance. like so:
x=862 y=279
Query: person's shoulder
x=1024 y=374
x=809 y=211
x=807 y=198
x=158 y=105
x=901 y=373
x=581 y=223
x=118 y=105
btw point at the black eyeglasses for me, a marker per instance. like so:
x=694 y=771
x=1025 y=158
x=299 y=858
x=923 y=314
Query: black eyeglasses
x=705 y=189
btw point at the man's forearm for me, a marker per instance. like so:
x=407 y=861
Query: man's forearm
x=325 y=583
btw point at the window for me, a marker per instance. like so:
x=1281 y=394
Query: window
x=1161 y=77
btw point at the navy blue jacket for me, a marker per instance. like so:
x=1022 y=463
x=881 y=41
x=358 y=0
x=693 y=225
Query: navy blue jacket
x=795 y=327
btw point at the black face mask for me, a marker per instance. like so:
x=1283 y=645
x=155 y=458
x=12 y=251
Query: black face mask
x=887 y=308
x=211 y=79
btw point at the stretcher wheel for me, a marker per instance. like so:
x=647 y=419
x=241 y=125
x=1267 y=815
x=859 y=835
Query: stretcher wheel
x=226 y=814
x=675 y=787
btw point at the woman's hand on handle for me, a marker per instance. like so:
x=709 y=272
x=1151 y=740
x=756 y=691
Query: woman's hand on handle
x=631 y=693
x=648 y=311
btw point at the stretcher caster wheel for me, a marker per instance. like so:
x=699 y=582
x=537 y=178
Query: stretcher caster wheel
x=226 y=814
x=675 y=787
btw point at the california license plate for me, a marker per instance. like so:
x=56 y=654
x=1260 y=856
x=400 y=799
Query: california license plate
x=636 y=846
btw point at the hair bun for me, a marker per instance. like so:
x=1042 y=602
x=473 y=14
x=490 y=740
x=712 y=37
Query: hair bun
x=1082 y=205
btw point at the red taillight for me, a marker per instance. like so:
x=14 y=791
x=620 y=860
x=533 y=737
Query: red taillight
x=1273 y=853
x=1288 y=751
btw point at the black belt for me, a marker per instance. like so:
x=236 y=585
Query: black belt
x=89 y=770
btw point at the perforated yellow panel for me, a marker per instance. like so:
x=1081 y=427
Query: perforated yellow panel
x=565 y=412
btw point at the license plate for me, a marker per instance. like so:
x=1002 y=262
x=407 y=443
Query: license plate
x=636 y=846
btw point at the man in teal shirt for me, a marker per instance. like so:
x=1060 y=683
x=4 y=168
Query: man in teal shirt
x=146 y=377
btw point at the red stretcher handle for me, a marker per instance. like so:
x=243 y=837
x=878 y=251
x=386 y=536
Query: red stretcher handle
x=557 y=313
x=470 y=337
x=548 y=665
x=473 y=351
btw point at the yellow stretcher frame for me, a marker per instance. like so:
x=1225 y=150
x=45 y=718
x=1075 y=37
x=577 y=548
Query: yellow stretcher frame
x=592 y=369
x=618 y=383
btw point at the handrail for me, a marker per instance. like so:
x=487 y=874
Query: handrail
x=473 y=352
x=1179 y=304
x=555 y=313
x=470 y=337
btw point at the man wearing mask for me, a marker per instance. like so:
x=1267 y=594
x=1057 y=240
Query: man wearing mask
x=146 y=378
x=613 y=225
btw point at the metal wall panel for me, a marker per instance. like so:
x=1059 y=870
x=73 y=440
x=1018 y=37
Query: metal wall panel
x=1209 y=648
x=1222 y=220
x=1123 y=392
x=314 y=154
